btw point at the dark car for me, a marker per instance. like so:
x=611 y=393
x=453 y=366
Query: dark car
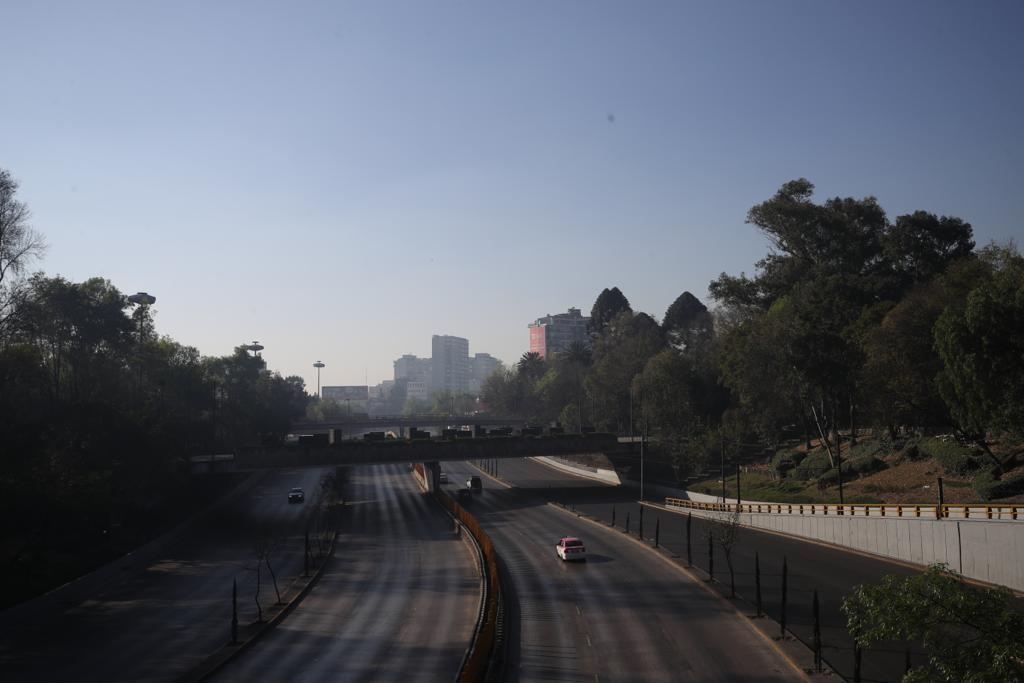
x=296 y=495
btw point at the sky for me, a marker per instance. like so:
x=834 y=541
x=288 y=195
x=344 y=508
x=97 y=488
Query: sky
x=340 y=181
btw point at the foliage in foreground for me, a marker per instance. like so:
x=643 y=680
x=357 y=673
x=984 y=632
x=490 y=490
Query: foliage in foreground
x=971 y=634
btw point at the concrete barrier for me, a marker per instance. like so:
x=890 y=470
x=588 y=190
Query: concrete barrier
x=595 y=473
x=985 y=550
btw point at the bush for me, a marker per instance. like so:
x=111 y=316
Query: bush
x=912 y=452
x=865 y=449
x=990 y=488
x=857 y=467
x=953 y=457
x=786 y=459
x=812 y=466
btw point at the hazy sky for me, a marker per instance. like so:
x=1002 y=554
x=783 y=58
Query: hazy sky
x=342 y=180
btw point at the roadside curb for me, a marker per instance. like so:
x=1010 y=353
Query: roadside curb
x=798 y=656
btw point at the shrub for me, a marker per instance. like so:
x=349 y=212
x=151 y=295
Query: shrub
x=814 y=465
x=990 y=488
x=953 y=457
x=856 y=467
x=864 y=449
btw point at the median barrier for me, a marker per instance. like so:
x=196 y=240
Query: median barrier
x=477 y=662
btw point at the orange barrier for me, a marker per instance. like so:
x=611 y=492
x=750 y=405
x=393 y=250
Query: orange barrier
x=475 y=666
x=960 y=511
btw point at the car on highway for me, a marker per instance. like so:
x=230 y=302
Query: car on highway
x=296 y=495
x=463 y=496
x=443 y=477
x=571 y=548
x=475 y=485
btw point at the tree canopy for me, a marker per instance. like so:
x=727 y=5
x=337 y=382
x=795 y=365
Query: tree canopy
x=972 y=634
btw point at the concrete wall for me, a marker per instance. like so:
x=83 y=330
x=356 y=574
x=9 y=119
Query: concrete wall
x=595 y=473
x=986 y=550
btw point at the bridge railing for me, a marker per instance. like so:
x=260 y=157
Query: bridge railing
x=945 y=511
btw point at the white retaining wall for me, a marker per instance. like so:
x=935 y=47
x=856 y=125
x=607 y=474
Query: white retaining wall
x=986 y=550
x=607 y=476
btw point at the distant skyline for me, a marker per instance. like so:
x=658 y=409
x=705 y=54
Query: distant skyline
x=342 y=181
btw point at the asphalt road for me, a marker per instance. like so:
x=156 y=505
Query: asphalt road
x=833 y=572
x=157 y=623
x=397 y=602
x=624 y=615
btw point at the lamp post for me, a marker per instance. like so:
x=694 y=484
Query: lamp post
x=318 y=365
x=255 y=347
x=143 y=300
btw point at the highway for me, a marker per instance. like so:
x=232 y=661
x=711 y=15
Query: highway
x=156 y=623
x=833 y=572
x=397 y=602
x=624 y=615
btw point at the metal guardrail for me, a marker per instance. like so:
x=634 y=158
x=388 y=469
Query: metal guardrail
x=475 y=667
x=946 y=511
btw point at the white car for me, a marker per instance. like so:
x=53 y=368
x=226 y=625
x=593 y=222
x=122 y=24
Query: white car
x=571 y=548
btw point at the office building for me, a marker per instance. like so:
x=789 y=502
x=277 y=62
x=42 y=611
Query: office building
x=556 y=333
x=413 y=368
x=449 y=364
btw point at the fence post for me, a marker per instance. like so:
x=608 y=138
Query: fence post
x=657 y=530
x=613 y=516
x=305 y=563
x=938 y=509
x=711 y=557
x=906 y=661
x=627 y=523
x=817 y=633
x=234 y=611
x=640 y=532
x=739 y=499
x=689 y=548
x=856 y=661
x=757 y=583
x=782 y=620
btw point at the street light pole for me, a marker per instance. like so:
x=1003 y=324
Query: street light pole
x=143 y=300
x=318 y=365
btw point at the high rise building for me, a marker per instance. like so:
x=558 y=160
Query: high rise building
x=555 y=333
x=482 y=366
x=413 y=368
x=449 y=364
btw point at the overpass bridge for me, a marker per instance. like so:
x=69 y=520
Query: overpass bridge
x=405 y=451
x=401 y=423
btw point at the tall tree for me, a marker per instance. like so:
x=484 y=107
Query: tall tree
x=620 y=353
x=531 y=365
x=921 y=245
x=687 y=322
x=982 y=351
x=609 y=303
x=19 y=244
